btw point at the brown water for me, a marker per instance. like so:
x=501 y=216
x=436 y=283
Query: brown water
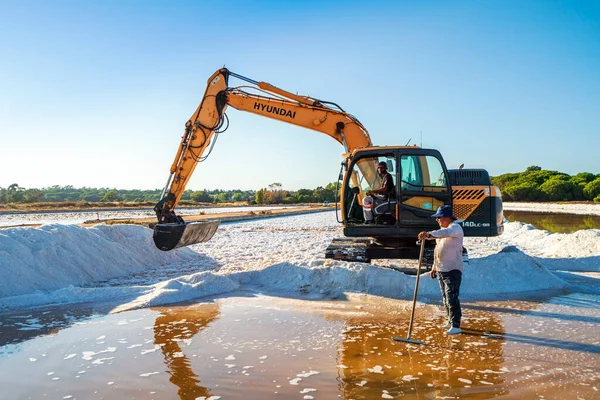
x=258 y=347
x=555 y=223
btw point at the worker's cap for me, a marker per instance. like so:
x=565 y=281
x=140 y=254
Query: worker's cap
x=383 y=164
x=444 y=211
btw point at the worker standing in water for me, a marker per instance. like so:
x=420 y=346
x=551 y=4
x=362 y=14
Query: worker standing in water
x=448 y=264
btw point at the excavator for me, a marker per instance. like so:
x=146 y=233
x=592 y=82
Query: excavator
x=421 y=180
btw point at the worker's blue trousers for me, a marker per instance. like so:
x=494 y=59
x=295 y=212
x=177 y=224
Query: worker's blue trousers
x=450 y=288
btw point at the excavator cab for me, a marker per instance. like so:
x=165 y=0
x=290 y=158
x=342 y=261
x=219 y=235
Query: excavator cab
x=420 y=186
x=422 y=183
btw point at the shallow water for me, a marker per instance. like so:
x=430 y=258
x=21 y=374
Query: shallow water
x=254 y=346
x=555 y=223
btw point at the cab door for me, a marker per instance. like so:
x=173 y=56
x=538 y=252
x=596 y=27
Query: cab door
x=422 y=186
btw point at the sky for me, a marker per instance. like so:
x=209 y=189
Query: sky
x=96 y=94
x=278 y=255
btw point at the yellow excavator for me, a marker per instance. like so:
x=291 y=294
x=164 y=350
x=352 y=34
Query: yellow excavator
x=420 y=180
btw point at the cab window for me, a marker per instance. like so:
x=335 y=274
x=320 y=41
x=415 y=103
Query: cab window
x=422 y=182
x=421 y=172
x=365 y=176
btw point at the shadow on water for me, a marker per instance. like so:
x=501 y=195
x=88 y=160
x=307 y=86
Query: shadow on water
x=538 y=341
x=566 y=317
x=20 y=326
x=555 y=223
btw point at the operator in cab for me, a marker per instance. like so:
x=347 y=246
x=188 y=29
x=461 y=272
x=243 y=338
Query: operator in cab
x=377 y=196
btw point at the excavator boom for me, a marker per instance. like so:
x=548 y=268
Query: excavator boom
x=209 y=119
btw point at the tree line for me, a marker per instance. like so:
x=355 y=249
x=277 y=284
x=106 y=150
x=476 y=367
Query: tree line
x=273 y=194
x=536 y=184
x=533 y=184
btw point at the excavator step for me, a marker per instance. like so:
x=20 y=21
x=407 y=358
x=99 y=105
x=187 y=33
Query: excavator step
x=173 y=235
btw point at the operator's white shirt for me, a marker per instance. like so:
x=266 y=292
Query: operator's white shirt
x=448 y=249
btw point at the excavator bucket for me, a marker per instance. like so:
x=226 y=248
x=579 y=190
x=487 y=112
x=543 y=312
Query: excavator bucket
x=172 y=235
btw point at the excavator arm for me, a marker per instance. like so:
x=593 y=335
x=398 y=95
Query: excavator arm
x=209 y=119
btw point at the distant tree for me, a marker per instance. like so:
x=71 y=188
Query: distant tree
x=290 y=200
x=32 y=195
x=592 y=189
x=319 y=194
x=275 y=194
x=557 y=188
x=502 y=180
x=111 y=195
x=584 y=177
x=15 y=194
x=533 y=168
x=201 y=196
x=186 y=195
x=538 y=176
x=238 y=197
x=329 y=192
x=579 y=181
x=260 y=196
x=222 y=197
x=522 y=192
x=303 y=198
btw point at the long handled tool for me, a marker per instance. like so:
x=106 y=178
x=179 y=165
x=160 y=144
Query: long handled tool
x=412 y=314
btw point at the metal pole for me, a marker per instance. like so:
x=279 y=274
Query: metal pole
x=412 y=314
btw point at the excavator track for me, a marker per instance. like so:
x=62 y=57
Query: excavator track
x=349 y=249
x=367 y=249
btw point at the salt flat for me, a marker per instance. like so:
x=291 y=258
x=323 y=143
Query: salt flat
x=79 y=299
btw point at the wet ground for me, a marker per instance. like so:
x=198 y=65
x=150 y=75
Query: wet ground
x=254 y=346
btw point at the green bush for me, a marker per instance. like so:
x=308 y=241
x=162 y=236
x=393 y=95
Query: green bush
x=592 y=189
x=536 y=184
x=522 y=192
x=557 y=188
x=110 y=196
x=583 y=177
x=502 y=180
x=539 y=177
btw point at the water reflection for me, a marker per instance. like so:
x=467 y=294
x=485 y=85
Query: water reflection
x=171 y=328
x=373 y=366
x=488 y=360
x=555 y=223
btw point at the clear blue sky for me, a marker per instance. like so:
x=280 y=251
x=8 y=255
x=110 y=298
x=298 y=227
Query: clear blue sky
x=97 y=93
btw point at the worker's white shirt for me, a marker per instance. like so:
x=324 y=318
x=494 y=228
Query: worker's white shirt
x=448 y=249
